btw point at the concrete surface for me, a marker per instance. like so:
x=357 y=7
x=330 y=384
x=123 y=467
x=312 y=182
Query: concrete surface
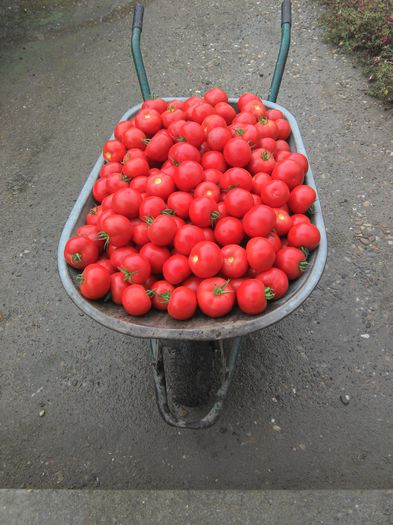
x=218 y=507
x=63 y=88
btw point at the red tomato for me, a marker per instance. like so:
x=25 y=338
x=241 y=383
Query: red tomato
x=282 y=145
x=247 y=132
x=261 y=161
x=191 y=101
x=292 y=261
x=238 y=201
x=135 y=268
x=179 y=202
x=217 y=138
x=235 y=283
x=251 y=297
x=299 y=218
x=140 y=233
x=211 y=122
x=127 y=202
x=174 y=129
x=183 y=151
x=107 y=203
x=134 y=138
x=192 y=133
x=203 y=212
x=237 y=152
x=289 y=172
x=171 y=115
x=225 y=111
x=267 y=128
x=134 y=153
x=149 y=121
x=222 y=209
x=135 y=300
x=213 y=160
x=212 y=175
x=200 y=111
x=188 y=175
x=160 y=185
x=256 y=108
x=116 y=229
x=176 y=269
x=155 y=103
x=117 y=256
x=135 y=168
x=283 y=222
x=91 y=232
x=236 y=178
x=275 y=193
x=274 y=114
x=260 y=254
x=305 y=236
x=121 y=128
x=161 y=295
x=187 y=237
x=283 y=128
x=94 y=282
x=115 y=182
x=80 y=251
x=162 y=230
x=235 y=263
x=208 y=234
x=268 y=143
x=274 y=240
x=205 y=259
x=229 y=230
x=257 y=199
x=215 y=296
x=207 y=189
x=158 y=147
x=109 y=168
x=139 y=184
x=301 y=160
x=182 y=304
x=302 y=198
x=244 y=118
x=259 y=221
x=105 y=263
x=151 y=206
x=275 y=281
x=192 y=283
x=215 y=95
x=258 y=181
x=113 y=151
x=156 y=255
x=245 y=98
x=100 y=189
x=118 y=285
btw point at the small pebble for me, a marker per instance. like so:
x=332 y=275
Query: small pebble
x=345 y=399
x=42 y=413
x=365 y=336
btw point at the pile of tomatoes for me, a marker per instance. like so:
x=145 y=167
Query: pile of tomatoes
x=199 y=205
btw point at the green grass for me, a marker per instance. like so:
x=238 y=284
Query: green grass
x=365 y=29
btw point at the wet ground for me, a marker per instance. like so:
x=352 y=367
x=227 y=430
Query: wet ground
x=311 y=402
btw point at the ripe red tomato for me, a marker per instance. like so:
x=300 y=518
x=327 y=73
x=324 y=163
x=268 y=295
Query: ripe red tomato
x=94 y=282
x=283 y=128
x=160 y=185
x=107 y=203
x=235 y=263
x=116 y=229
x=80 y=251
x=134 y=138
x=203 y=212
x=274 y=240
x=207 y=189
x=155 y=103
x=238 y=201
x=257 y=199
x=100 y=189
x=268 y=143
x=158 y=147
x=179 y=202
x=118 y=285
x=275 y=281
x=236 y=178
x=215 y=296
x=135 y=300
x=243 y=118
x=135 y=268
x=289 y=172
x=139 y=184
x=225 y=111
x=302 y=198
x=156 y=255
x=135 y=168
x=282 y=145
x=251 y=297
x=109 y=168
x=127 y=202
x=300 y=159
x=215 y=95
x=258 y=181
x=274 y=114
x=134 y=153
x=149 y=121
x=192 y=133
x=205 y=259
x=304 y=235
x=91 y=232
x=113 y=151
x=176 y=269
x=182 y=151
x=105 y=263
x=121 y=128
x=188 y=175
x=187 y=237
x=151 y=206
x=292 y=261
x=275 y=193
x=119 y=254
x=171 y=115
x=256 y=108
x=280 y=155
x=229 y=230
x=283 y=222
x=259 y=221
x=212 y=175
x=213 y=160
x=140 y=233
x=211 y=122
x=218 y=137
x=192 y=283
x=161 y=295
x=174 y=130
x=260 y=254
x=261 y=161
x=200 y=111
x=267 y=128
x=237 y=152
x=115 y=182
x=299 y=218
x=191 y=101
x=245 y=98
x=162 y=230
x=182 y=304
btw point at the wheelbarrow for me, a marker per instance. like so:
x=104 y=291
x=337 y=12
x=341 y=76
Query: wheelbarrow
x=199 y=339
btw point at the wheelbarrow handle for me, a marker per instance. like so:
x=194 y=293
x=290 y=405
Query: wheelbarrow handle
x=137 y=21
x=286 y=21
x=137 y=24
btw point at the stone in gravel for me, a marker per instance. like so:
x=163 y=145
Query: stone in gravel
x=345 y=399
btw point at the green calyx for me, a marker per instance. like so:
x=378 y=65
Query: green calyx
x=150 y=293
x=305 y=250
x=263 y=120
x=80 y=278
x=265 y=155
x=168 y=211
x=214 y=216
x=303 y=265
x=149 y=219
x=127 y=276
x=221 y=290
x=93 y=211
x=103 y=236
x=269 y=293
x=125 y=178
x=76 y=257
x=311 y=209
x=239 y=131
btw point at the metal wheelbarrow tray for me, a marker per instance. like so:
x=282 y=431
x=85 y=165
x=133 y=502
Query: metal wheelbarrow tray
x=159 y=326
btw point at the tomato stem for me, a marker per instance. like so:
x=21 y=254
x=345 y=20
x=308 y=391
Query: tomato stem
x=80 y=278
x=305 y=250
x=269 y=293
x=76 y=257
x=168 y=211
x=220 y=290
x=127 y=275
x=103 y=236
x=303 y=265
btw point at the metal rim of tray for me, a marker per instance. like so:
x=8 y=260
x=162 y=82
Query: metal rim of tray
x=222 y=328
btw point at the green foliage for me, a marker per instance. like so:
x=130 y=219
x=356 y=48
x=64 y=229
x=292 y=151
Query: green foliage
x=365 y=28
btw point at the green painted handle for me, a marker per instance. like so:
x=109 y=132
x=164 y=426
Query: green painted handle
x=137 y=24
x=286 y=20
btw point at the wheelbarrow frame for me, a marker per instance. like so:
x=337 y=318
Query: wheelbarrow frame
x=225 y=333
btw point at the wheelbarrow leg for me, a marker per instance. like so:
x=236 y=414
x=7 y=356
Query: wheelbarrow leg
x=229 y=350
